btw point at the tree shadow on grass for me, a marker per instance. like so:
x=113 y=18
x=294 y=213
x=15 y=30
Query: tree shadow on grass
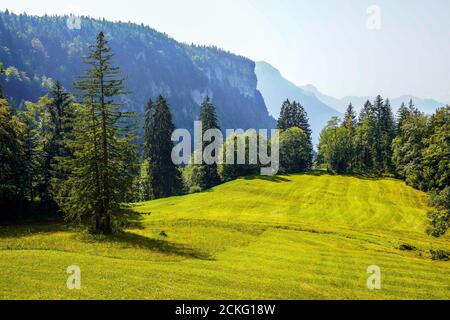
x=276 y=179
x=129 y=219
x=360 y=176
x=132 y=240
x=29 y=230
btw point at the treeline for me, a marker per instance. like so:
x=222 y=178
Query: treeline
x=411 y=146
x=78 y=154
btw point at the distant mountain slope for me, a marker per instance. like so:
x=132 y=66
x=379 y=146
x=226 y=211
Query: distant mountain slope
x=41 y=49
x=276 y=89
x=428 y=106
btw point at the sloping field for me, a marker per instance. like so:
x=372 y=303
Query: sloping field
x=293 y=237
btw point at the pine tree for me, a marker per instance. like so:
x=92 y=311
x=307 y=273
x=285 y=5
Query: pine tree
x=209 y=176
x=62 y=114
x=366 y=111
x=350 y=119
x=165 y=179
x=149 y=137
x=387 y=129
x=286 y=115
x=301 y=120
x=100 y=169
x=402 y=115
x=365 y=139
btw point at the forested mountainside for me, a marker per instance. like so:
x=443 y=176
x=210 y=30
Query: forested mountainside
x=38 y=50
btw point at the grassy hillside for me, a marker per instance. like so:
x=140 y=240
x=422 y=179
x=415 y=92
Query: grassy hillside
x=294 y=237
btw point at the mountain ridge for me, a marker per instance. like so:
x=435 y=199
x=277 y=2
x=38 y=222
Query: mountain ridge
x=39 y=50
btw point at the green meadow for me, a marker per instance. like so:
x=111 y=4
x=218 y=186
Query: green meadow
x=307 y=236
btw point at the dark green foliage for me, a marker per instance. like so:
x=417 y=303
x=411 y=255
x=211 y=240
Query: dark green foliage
x=293 y=115
x=50 y=122
x=402 y=115
x=408 y=147
x=387 y=134
x=248 y=166
x=164 y=176
x=12 y=132
x=208 y=175
x=436 y=155
x=440 y=255
x=295 y=152
x=373 y=137
x=440 y=215
x=101 y=170
x=203 y=176
x=436 y=163
x=336 y=148
x=350 y=121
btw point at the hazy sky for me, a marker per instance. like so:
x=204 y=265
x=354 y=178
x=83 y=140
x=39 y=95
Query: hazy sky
x=399 y=47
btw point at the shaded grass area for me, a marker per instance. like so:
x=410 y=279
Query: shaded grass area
x=309 y=236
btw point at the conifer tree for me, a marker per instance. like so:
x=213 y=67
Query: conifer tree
x=208 y=174
x=301 y=120
x=387 y=129
x=366 y=111
x=350 y=119
x=149 y=138
x=164 y=176
x=286 y=116
x=364 y=139
x=402 y=115
x=102 y=145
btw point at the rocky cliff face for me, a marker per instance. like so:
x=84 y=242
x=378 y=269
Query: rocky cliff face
x=42 y=49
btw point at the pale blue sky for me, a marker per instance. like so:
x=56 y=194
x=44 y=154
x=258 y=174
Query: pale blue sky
x=322 y=42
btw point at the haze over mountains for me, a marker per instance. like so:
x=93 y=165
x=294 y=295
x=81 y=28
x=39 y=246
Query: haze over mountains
x=320 y=107
x=39 y=50
x=276 y=89
x=428 y=106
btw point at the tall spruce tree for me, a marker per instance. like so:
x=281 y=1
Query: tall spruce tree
x=301 y=120
x=350 y=119
x=164 y=176
x=208 y=174
x=62 y=113
x=285 y=121
x=387 y=129
x=364 y=139
x=101 y=146
x=149 y=138
x=402 y=115
x=377 y=134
